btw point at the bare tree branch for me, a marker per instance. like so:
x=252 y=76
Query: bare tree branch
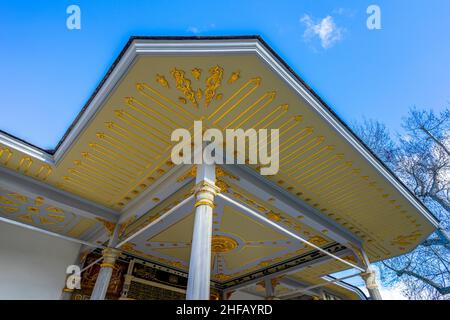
x=421 y=160
x=402 y=272
x=439 y=143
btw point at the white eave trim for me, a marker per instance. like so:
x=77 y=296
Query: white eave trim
x=21 y=146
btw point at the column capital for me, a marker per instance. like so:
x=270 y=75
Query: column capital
x=110 y=256
x=370 y=279
x=205 y=193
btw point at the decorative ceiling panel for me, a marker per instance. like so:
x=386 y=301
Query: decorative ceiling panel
x=125 y=146
x=314 y=275
x=240 y=244
x=38 y=213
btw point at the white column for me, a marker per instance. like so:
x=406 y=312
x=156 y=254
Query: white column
x=200 y=261
x=370 y=279
x=110 y=256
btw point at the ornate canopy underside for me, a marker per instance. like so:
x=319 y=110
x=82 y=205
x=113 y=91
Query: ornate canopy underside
x=118 y=151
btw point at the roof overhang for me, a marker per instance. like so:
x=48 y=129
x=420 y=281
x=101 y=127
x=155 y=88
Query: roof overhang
x=330 y=180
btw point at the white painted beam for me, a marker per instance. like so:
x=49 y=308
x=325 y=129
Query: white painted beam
x=174 y=211
x=16 y=182
x=297 y=285
x=50 y=233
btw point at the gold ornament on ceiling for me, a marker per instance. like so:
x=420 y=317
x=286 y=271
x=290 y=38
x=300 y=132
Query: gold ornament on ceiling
x=317 y=240
x=351 y=259
x=25 y=164
x=274 y=216
x=223 y=244
x=39 y=201
x=222 y=277
x=6 y=154
x=162 y=81
x=405 y=240
x=184 y=84
x=196 y=73
x=220 y=172
x=109 y=226
x=18 y=197
x=222 y=185
x=35 y=212
x=234 y=77
x=213 y=82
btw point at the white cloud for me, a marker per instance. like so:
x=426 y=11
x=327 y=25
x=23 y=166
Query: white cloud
x=325 y=29
x=388 y=293
x=393 y=293
x=193 y=29
x=197 y=30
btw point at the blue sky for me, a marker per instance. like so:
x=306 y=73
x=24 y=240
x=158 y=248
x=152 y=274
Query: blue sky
x=48 y=72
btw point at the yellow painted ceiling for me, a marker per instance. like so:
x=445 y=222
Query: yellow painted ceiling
x=38 y=213
x=240 y=245
x=314 y=275
x=281 y=289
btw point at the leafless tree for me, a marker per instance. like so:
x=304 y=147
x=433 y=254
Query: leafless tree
x=425 y=162
x=421 y=159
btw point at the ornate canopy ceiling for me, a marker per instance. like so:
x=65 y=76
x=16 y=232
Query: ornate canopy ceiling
x=36 y=211
x=240 y=245
x=115 y=159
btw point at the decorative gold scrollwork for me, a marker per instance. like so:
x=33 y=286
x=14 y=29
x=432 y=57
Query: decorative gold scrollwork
x=212 y=83
x=234 y=77
x=44 y=172
x=196 y=73
x=25 y=164
x=162 y=81
x=184 y=85
x=223 y=244
x=405 y=240
x=8 y=154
